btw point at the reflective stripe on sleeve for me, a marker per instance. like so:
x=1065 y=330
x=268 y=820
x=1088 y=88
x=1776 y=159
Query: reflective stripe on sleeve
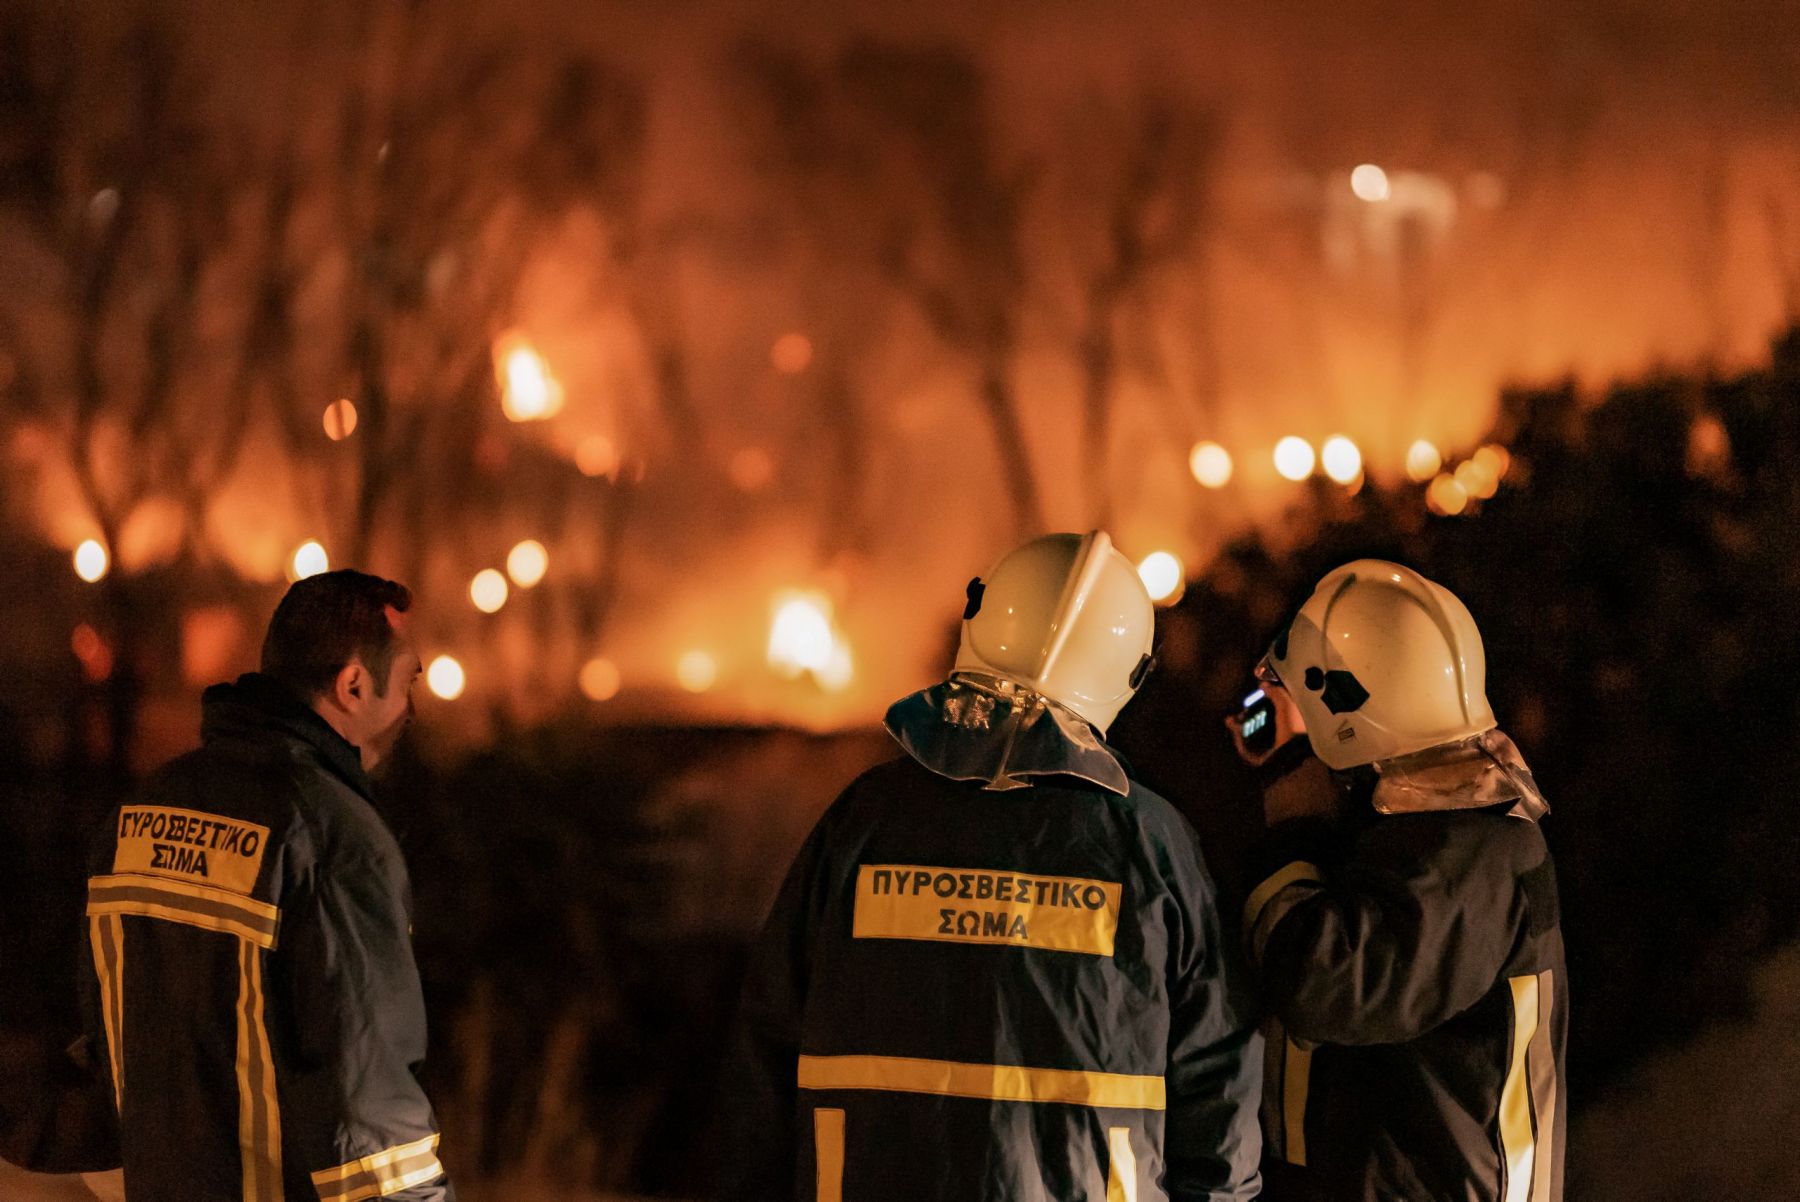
x=999 y=1082
x=1270 y=902
x=828 y=1154
x=1121 y=1169
x=1528 y=1096
x=381 y=1173
x=1296 y=1084
x=106 y=934
x=1516 y=1135
x=259 y=1113
x=1541 y=1062
x=204 y=906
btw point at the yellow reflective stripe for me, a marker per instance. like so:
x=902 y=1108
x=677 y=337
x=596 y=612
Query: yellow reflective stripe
x=402 y=1175
x=828 y=1154
x=106 y=935
x=1541 y=1060
x=1121 y=1172
x=999 y=1082
x=201 y=906
x=1296 y=1082
x=259 y=1112
x=1298 y=872
x=381 y=1173
x=1517 y=1136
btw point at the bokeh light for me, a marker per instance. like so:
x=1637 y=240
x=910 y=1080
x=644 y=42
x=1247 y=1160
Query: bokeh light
x=1370 y=183
x=445 y=678
x=1211 y=464
x=1162 y=575
x=528 y=390
x=1446 y=496
x=1476 y=480
x=751 y=469
x=527 y=562
x=488 y=590
x=1341 y=458
x=800 y=635
x=696 y=671
x=791 y=354
x=91 y=561
x=1294 y=458
x=1708 y=446
x=596 y=455
x=1494 y=459
x=340 y=420
x=1423 y=461
x=309 y=559
x=90 y=649
x=599 y=679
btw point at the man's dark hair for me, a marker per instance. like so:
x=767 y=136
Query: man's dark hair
x=327 y=620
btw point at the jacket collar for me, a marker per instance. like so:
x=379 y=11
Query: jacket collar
x=256 y=708
x=997 y=733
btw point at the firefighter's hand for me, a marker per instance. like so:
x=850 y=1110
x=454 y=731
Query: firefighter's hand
x=1289 y=725
x=1306 y=792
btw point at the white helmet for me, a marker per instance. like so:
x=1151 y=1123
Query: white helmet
x=1064 y=616
x=1383 y=663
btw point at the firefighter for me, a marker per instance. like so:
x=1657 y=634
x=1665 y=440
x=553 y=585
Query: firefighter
x=996 y=969
x=249 y=925
x=1405 y=932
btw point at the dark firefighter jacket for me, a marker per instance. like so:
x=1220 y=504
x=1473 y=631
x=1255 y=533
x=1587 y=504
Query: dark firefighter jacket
x=1415 y=966
x=253 y=980
x=1016 y=993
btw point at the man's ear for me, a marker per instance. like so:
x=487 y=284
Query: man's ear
x=351 y=687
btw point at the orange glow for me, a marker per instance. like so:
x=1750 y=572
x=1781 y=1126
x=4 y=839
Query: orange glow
x=800 y=635
x=91 y=561
x=1370 y=183
x=528 y=390
x=445 y=678
x=696 y=671
x=488 y=590
x=1162 y=575
x=1211 y=464
x=95 y=656
x=1708 y=446
x=1342 y=459
x=211 y=639
x=340 y=420
x=804 y=638
x=599 y=679
x=597 y=456
x=309 y=560
x=791 y=354
x=527 y=562
x=1423 y=461
x=836 y=675
x=1446 y=496
x=751 y=469
x=1294 y=458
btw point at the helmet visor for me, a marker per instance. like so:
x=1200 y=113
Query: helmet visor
x=1265 y=672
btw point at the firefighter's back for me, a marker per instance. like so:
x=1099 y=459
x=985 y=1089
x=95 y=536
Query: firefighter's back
x=989 y=1004
x=181 y=918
